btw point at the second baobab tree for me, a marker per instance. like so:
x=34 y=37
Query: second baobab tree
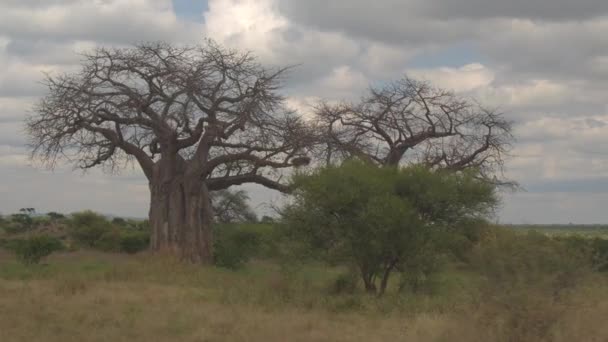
x=411 y=122
x=195 y=119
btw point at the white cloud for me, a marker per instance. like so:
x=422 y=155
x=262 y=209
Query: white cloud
x=343 y=81
x=464 y=79
x=545 y=65
x=108 y=21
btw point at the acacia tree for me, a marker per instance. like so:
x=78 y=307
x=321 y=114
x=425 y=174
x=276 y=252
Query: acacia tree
x=412 y=122
x=195 y=119
x=383 y=219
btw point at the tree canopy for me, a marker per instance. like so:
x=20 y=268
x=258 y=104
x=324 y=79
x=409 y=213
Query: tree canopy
x=194 y=118
x=382 y=218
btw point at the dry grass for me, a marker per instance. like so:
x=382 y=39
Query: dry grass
x=103 y=297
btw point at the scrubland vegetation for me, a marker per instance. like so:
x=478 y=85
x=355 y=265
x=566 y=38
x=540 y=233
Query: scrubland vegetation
x=385 y=235
x=319 y=273
x=510 y=287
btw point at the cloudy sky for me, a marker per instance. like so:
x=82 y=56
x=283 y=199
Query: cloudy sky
x=542 y=62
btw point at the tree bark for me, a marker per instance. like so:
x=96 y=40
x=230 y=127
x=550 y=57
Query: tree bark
x=181 y=216
x=368 y=280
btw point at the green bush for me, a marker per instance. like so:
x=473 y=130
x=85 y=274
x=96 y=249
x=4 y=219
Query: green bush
x=31 y=250
x=528 y=280
x=133 y=242
x=109 y=241
x=18 y=223
x=595 y=248
x=87 y=228
x=509 y=259
x=234 y=245
x=600 y=253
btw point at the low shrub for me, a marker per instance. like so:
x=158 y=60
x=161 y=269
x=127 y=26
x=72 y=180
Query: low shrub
x=88 y=227
x=133 y=242
x=528 y=278
x=18 y=223
x=530 y=258
x=234 y=245
x=31 y=250
x=109 y=241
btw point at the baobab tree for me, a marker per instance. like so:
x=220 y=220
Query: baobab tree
x=409 y=121
x=195 y=119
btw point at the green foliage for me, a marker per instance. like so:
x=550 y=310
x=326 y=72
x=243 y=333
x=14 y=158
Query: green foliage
x=383 y=219
x=88 y=228
x=95 y=231
x=595 y=248
x=528 y=278
x=19 y=223
x=235 y=244
x=55 y=216
x=109 y=241
x=133 y=242
x=119 y=221
x=507 y=259
x=31 y=250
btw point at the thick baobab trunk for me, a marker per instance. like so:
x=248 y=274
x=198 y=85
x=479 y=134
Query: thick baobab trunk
x=180 y=217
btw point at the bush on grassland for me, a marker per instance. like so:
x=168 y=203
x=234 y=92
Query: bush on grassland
x=133 y=242
x=235 y=244
x=95 y=231
x=33 y=249
x=88 y=228
x=529 y=278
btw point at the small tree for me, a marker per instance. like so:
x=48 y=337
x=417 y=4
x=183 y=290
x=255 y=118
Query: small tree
x=27 y=211
x=383 y=219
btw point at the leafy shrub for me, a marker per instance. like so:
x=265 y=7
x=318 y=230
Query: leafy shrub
x=31 y=250
x=88 y=228
x=133 y=242
x=109 y=241
x=119 y=221
x=19 y=223
x=55 y=216
x=234 y=245
x=600 y=253
x=508 y=257
x=595 y=248
x=527 y=280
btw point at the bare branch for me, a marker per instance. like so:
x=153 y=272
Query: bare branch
x=412 y=122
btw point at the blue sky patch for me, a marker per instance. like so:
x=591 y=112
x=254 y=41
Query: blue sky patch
x=454 y=56
x=190 y=9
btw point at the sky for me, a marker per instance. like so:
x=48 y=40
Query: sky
x=544 y=63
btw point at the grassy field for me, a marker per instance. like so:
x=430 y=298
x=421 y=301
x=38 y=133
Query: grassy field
x=92 y=296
